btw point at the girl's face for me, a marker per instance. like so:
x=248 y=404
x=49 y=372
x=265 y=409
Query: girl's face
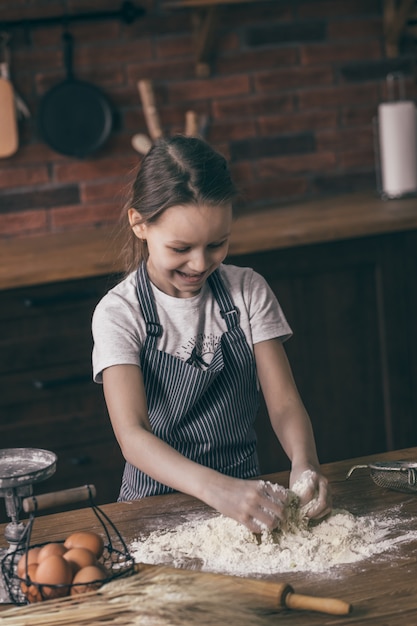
x=185 y=245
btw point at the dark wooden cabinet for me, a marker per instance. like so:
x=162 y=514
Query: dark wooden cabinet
x=353 y=309
x=47 y=396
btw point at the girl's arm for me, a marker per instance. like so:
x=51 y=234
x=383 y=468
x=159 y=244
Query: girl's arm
x=291 y=423
x=251 y=502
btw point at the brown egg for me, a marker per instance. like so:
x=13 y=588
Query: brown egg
x=89 y=540
x=79 y=558
x=88 y=579
x=34 y=594
x=51 y=549
x=31 y=591
x=32 y=557
x=54 y=570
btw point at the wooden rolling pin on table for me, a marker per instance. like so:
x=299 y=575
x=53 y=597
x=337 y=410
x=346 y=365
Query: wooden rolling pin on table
x=263 y=593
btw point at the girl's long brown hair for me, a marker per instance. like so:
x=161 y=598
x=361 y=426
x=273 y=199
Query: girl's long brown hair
x=176 y=171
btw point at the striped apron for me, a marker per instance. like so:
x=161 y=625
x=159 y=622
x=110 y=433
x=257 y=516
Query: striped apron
x=206 y=415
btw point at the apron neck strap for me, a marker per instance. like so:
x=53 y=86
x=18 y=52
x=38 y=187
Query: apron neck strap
x=228 y=311
x=147 y=304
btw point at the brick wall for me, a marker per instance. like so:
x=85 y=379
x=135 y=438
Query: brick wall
x=294 y=87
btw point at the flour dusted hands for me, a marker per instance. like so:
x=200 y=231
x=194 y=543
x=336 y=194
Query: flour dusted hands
x=313 y=490
x=256 y=504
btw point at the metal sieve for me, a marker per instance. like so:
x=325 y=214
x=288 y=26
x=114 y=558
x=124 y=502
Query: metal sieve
x=397 y=475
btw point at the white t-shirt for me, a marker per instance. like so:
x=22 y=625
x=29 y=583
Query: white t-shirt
x=192 y=327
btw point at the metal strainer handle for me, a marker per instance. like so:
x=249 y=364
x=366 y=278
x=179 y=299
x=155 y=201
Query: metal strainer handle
x=397 y=475
x=352 y=469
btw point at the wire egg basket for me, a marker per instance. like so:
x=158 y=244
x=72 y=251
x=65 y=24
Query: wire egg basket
x=115 y=562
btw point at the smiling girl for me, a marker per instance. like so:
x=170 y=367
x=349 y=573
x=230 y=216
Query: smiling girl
x=183 y=344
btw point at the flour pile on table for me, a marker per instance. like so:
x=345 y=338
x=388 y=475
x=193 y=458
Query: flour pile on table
x=220 y=544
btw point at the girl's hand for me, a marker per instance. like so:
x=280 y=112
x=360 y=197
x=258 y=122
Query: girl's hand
x=257 y=504
x=313 y=490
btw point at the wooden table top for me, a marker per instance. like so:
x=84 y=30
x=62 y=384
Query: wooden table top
x=92 y=252
x=380 y=594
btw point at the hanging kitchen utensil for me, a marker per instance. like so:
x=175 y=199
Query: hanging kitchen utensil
x=75 y=117
x=141 y=143
x=397 y=475
x=22 y=109
x=191 y=124
x=150 y=111
x=9 y=141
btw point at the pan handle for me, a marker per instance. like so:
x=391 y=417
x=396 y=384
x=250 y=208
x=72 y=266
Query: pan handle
x=68 y=43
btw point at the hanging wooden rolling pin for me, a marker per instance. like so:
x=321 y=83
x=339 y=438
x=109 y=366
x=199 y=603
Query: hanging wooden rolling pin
x=140 y=142
x=191 y=124
x=150 y=111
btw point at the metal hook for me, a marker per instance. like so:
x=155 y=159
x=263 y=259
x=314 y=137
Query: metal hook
x=392 y=79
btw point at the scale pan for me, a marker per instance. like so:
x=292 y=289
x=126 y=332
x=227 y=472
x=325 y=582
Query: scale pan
x=25 y=466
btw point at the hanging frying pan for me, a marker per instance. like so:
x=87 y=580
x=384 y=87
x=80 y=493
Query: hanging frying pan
x=75 y=118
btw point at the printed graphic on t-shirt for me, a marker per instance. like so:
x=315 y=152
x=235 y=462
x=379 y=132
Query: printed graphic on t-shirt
x=199 y=351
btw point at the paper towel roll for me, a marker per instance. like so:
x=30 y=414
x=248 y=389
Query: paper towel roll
x=397 y=129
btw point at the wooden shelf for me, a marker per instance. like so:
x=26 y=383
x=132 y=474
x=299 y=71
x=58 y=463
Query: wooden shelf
x=94 y=252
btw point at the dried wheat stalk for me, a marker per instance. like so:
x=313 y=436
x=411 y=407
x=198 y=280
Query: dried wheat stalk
x=157 y=598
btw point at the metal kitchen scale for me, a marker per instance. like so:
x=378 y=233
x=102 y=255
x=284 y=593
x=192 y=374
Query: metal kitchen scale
x=20 y=469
